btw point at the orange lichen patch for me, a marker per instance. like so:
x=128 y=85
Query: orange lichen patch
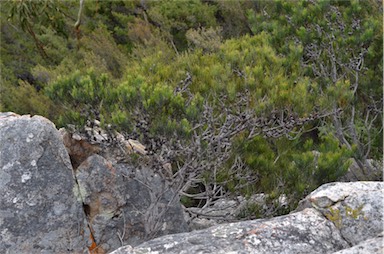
x=94 y=248
x=100 y=203
x=93 y=245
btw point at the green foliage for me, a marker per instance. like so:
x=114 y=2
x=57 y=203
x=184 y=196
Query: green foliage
x=288 y=167
x=24 y=99
x=231 y=16
x=176 y=17
x=116 y=16
x=342 y=51
x=207 y=39
x=318 y=164
x=80 y=95
x=102 y=53
x=37 y=14
x=251 y=211
x=34 y=17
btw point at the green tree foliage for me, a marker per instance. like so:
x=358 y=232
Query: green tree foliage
x=341 y=53
x=114 y=15
x=80 y=95
x=35 y=16
x=175 y=17
x=285 y=166
x=23 y=97
x=231 y=16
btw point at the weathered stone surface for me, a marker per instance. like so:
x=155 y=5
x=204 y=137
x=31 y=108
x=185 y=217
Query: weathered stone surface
x=370 y=246
x=334 y=217
x=221 y=211
x=127 y=249
x=372 y=173
x=355 y=208
x=39 y=212
x=227 y=210
x=303 y=232
x=127 y=204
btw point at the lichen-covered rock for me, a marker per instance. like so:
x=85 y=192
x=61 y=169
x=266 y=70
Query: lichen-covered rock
x=355 y=208
x=39 y=212
x=370 y=246
x=302 y=232
x=127 y=204
x=333 y=218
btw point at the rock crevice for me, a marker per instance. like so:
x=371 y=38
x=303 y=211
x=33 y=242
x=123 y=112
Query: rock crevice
x=124 y=202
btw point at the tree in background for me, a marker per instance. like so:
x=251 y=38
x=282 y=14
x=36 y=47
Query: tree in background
x=341 y=45
x=33 y=16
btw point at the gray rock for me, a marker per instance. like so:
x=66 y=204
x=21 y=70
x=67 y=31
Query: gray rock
x=373 y=172
x=302 y=232
x=225 y=210
x=39 y=212
x=371 y=246
x=334 y=217
x=355 y=208
x=127 y=249
x=127 y=204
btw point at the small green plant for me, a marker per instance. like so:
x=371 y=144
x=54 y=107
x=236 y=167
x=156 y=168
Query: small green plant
x=251 y=211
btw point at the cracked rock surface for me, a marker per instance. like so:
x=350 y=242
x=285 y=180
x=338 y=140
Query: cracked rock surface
x=370 y=246
x=127 y=204
x=48 y=206
x=303 y=232
x=343 y=218
x=39 y=212
x=355 y=208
